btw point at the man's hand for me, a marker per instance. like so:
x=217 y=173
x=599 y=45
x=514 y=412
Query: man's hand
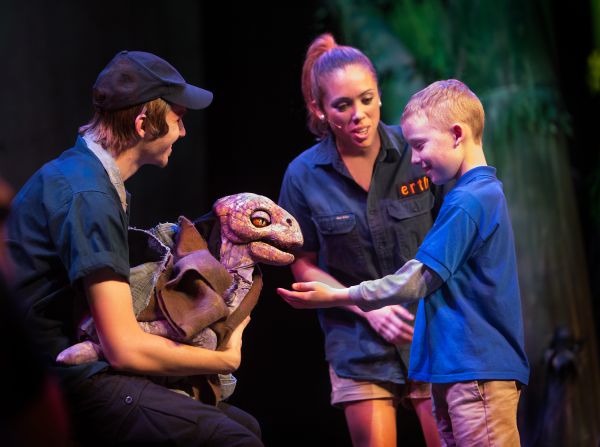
x=233 y=347
x=391 y=323
x=314 y=294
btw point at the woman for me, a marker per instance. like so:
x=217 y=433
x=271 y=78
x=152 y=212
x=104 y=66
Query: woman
x=364 y=209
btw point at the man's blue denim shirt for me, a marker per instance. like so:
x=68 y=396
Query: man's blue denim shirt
x=66 y=222
x=360 y=236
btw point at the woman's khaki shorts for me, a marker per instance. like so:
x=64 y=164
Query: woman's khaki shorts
x=349 y=390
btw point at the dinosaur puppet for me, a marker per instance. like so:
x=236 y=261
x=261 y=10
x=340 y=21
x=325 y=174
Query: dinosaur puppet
x=179 y=288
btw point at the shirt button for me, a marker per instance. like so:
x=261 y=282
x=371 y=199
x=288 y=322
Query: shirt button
x=128 y=400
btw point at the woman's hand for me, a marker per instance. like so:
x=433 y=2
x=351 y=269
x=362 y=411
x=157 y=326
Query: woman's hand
x=391 y=323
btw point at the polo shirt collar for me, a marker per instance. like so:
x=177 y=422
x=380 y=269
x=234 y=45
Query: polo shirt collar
x=477 y=171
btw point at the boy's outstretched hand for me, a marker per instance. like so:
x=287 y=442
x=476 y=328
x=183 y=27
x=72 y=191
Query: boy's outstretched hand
x=314 y=294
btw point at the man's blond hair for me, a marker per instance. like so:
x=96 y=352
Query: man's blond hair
x=115 y=129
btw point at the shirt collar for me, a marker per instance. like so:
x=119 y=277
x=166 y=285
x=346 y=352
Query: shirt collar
x=477 y=171
x=327 y=153
x=110 y=167
x=389 y=151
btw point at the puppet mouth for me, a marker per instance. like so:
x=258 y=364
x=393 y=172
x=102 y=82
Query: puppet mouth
x=269 y=254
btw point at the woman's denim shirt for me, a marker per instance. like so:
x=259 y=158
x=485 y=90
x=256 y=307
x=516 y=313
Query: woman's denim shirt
x=359 y=236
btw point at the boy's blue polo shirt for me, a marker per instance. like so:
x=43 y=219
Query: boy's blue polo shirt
x=359 y=236
x=66 y=222
x=471 y=328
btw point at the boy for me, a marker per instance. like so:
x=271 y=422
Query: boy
x=468 y=339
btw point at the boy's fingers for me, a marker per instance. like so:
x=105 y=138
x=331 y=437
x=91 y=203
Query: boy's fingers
x=294 y=299
x=305 y=286
x=284 y=293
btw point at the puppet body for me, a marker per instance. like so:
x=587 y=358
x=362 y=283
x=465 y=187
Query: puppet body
x=195 y=282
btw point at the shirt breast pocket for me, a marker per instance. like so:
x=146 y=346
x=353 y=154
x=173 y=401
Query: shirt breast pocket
x=411 y=207
x=340 y=241
x=411 y=220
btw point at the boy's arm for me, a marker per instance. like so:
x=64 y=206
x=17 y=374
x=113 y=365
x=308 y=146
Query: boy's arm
x=391 y=323
x=412 y=282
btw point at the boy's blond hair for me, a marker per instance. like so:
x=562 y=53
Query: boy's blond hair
x=446 y=102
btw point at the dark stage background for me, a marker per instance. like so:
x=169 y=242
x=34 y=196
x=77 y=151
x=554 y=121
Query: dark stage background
x=250 y=55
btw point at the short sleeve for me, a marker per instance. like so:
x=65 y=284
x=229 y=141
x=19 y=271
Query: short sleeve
x=451 y=241
x=90 y=233
x=293 y=200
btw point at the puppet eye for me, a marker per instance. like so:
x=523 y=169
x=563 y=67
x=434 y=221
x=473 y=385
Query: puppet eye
x=260 y=219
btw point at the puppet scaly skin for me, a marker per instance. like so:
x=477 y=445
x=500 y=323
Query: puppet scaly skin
x=254 y=230
x=268 y=231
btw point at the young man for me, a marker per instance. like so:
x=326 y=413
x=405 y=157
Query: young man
x=67 y=236
x=468 y=339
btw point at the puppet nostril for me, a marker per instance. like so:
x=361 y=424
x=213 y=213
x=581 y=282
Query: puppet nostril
x=289 y=221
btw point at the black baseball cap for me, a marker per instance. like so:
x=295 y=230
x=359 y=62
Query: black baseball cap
x=136 y=77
